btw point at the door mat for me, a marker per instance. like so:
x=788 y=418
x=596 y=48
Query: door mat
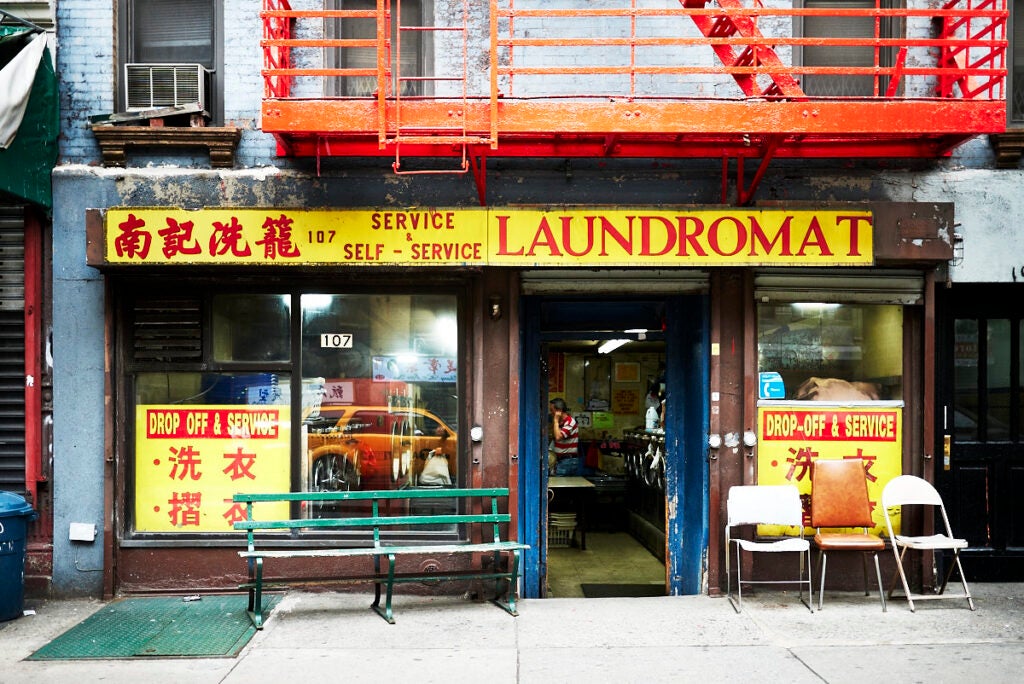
x=163 y=627
x=622 y=590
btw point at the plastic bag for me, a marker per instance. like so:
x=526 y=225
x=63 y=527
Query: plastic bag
x=435 y=471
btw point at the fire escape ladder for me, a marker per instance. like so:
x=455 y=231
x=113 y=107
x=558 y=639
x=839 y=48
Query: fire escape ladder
x=276 y=29
x=982 y=52
x=456 y=132
x=756 y=53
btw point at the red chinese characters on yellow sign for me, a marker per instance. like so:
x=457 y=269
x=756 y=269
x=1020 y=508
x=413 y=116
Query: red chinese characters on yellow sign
x=552 y=236
x=191 y=461
x=792 y=436
x=135 y=239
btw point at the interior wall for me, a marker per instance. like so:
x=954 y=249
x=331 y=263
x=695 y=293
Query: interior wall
x=625 y=395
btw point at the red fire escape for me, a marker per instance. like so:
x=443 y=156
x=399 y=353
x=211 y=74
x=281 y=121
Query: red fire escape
x=727 y=79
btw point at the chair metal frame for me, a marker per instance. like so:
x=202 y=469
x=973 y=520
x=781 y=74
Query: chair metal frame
x=912 y=490
x=766 y=505
x=839 y=499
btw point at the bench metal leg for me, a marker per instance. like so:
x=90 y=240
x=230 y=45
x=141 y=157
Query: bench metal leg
x=509 y=604
x=386 y=612
x=376 y=582
x=255 y=608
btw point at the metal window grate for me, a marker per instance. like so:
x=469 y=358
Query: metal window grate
x=167 y=331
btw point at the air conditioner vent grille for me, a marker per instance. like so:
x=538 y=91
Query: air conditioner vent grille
x=151 y=86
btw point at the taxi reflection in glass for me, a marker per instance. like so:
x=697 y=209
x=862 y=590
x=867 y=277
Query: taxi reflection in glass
x=379 y=447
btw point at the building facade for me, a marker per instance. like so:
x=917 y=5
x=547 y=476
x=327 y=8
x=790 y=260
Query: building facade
x=305 y=245
x=28 y=152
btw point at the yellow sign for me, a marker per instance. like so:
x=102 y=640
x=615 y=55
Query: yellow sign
x=792 y=436
x=190 y=461
x=554 y=236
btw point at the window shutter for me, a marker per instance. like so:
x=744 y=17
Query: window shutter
x=167 y=331
x=12 y=349
x=174 y=31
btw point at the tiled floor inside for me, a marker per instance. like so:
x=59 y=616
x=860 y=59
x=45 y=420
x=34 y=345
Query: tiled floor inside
x=610 y=558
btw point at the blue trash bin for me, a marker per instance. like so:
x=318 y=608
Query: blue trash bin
x=15 y=513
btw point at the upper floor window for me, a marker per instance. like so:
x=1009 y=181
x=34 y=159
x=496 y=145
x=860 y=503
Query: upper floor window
x=408 y=46
x=847 y=26
x=1015 y=87
x=180 y=32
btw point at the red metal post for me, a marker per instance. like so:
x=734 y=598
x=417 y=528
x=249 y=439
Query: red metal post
x=33 y=363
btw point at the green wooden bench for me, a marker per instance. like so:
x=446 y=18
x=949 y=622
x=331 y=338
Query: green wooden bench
x=381 y=512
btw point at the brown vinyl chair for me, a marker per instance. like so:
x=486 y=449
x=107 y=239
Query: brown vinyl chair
x=839 y=499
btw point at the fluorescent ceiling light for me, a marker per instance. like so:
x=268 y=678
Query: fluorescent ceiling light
x=610 y=345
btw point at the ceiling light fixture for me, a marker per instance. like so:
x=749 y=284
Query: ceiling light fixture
x=611 y=345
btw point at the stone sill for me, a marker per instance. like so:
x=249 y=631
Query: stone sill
x=221 y=142
x=1009 y=147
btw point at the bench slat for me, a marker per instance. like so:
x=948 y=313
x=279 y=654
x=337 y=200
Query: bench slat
x=380 y=495
x=378 y=521
x=383 y=550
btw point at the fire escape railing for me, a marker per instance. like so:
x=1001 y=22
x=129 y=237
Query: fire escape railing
x=523 y=69
x=970 y=40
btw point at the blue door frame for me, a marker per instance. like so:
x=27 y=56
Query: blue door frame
x=686 y=474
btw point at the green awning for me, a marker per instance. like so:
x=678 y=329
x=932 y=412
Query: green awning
x=26 y=164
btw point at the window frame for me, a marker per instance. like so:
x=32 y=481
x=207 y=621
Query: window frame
x=136 y=297
x=834 y=373
x=335 y=59
x=126 y=55
x=889 y=28
x=1015 y=87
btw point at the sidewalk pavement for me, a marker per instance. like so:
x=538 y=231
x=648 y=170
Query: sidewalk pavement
x=320 y=637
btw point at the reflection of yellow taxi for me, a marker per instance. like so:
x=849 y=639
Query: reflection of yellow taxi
x=374 y=447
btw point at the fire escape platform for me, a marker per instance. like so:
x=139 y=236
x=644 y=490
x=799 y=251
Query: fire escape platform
x=735 y=80
x=573 y=128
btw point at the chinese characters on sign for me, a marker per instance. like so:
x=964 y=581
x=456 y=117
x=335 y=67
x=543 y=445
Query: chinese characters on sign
x=570 y=236
x=414 y=369
x=190 y=462
x=792 y=436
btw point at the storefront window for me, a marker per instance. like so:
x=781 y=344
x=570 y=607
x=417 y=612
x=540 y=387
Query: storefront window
x=966 y=414
x=849 y=357
x=202 y=437
x=249 y=327
x=998 y=378
x=371 y=396
x=388 y=411
x=830 y=352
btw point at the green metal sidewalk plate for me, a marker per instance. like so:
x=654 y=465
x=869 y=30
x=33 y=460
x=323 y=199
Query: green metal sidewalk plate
x=211 y=626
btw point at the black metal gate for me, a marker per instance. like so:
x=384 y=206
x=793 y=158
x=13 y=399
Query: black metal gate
x=981 y=468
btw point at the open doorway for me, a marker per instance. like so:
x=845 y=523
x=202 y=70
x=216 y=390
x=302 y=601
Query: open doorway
x=607 y=520
x=606 y=504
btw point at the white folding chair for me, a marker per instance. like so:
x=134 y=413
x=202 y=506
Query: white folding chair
x=908 y=490
x=766 y=505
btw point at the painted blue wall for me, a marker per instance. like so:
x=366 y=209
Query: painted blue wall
x=78 y=393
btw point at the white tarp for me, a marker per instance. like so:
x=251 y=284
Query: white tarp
x=16 y=80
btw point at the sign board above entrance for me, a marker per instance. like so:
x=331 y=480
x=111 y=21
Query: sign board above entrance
x=496 y=236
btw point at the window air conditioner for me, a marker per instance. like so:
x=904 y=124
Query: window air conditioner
x=153 y=86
